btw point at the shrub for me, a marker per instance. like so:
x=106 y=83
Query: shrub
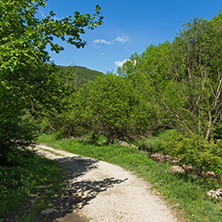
x=194 y=150
x=109 y=106
x=156 y=143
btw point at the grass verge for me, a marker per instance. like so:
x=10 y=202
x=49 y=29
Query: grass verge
x=182 y=191
x=155 y=143
x=27 y=187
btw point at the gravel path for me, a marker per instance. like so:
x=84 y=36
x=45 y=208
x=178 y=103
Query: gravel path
x=102 y=192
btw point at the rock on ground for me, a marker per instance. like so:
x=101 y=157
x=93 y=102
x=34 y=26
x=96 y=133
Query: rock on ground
x=176 y=169
x=48 y=211
x=215 y=193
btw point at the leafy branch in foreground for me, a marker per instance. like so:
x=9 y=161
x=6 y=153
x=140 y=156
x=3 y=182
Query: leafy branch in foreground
x=26 y=81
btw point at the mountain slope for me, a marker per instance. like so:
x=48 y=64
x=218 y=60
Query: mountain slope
x=81 y=75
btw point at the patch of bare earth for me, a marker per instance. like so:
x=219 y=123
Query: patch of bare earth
x=97 y=191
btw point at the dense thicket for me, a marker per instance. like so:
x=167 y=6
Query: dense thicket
x=184 y=78
x=109 y=106
x=184 y=81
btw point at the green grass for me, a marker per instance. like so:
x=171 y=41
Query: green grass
x=182 y=191
x=31 y=176
x=155 y=144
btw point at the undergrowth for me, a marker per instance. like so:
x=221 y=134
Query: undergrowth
x=31 y=176
x=184 y=192
x=155 y=143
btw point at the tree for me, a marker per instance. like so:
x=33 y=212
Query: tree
x=112 y=107
x=149 y=73
x=26 y=80
x=184 y=79
x=197 y=74
x=152 y=65
x=128 y=68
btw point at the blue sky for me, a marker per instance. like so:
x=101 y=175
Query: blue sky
x=129 y=26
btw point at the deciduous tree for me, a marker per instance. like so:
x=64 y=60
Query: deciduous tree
x=26 y=81
x=112 y=107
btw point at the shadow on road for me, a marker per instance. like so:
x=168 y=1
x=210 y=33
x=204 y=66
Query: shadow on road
x=90 y=189
x=77 y=166
x=78 y=194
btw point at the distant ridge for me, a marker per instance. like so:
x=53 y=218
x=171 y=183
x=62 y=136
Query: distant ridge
x=81 y=75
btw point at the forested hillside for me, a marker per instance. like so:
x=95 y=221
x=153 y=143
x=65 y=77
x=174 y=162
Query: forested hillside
x=80 y=75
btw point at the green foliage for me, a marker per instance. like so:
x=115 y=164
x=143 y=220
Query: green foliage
x=27 y=82
x=110 y=106
x=197 y=69
x=154 y=65
x=18 y=133
x=183 y=78
x=24 y=37
x=150 y=69
x=156 y=142
x=149 y=73
x=128 y=67
x=217 y=131
x=183 y=81
x=195 y=151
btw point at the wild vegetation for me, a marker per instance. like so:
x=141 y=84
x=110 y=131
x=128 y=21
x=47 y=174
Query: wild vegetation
x=28 y=83
x=31 y=178
x=172 y=86
x=183 y=82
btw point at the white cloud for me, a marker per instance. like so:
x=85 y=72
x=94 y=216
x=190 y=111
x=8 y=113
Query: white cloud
x=103 y=41
x=122 y=39
x=120 y=63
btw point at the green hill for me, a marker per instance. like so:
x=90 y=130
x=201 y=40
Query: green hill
x=81 y=75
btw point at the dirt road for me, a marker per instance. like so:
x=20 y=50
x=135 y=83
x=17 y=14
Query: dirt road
x=101 y=192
